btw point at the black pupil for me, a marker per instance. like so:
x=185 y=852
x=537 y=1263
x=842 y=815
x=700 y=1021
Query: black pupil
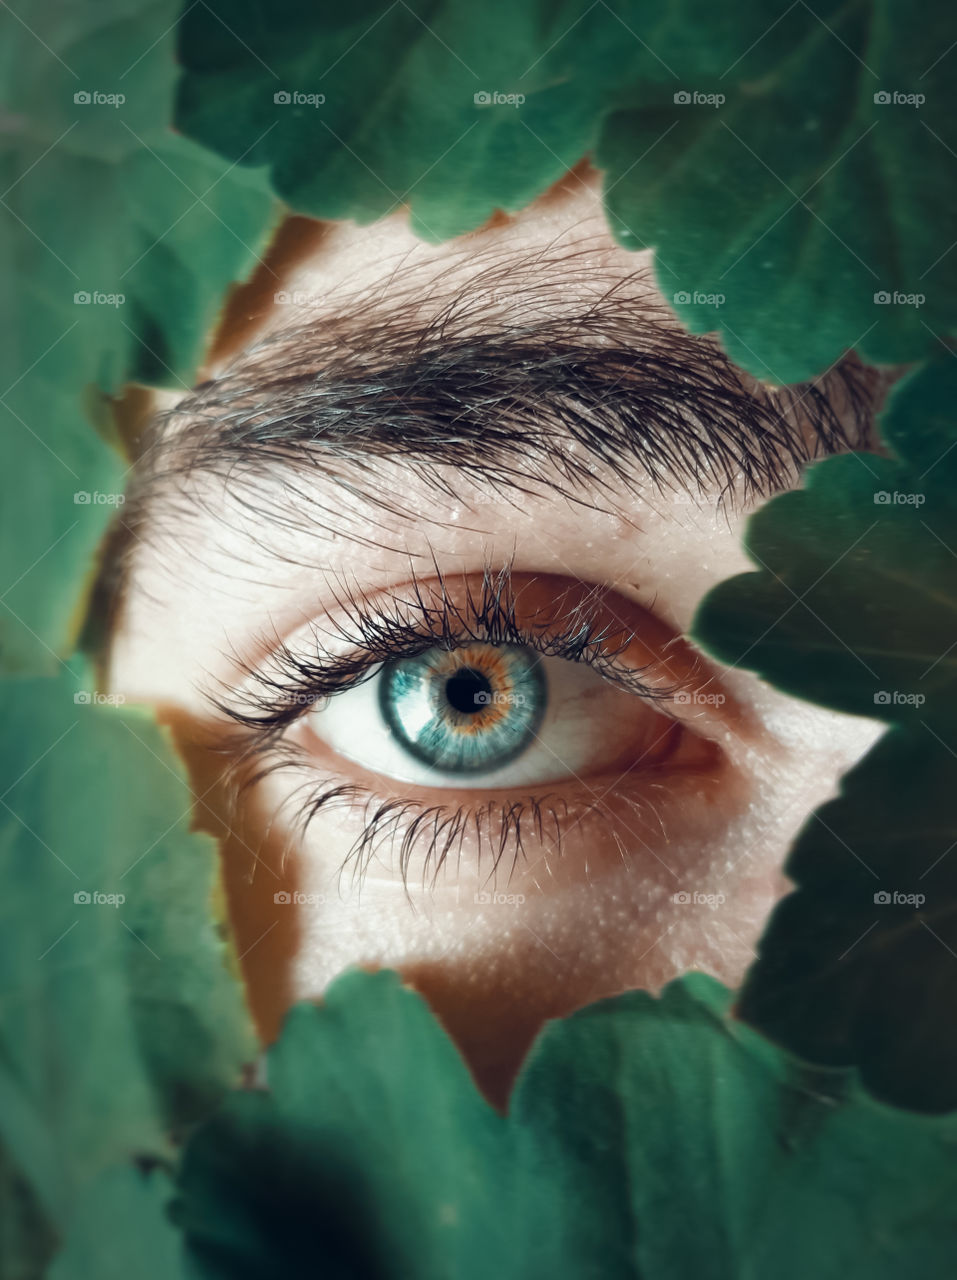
x=468 y=690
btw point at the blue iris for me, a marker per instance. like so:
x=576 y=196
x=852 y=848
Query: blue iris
x=465 y=710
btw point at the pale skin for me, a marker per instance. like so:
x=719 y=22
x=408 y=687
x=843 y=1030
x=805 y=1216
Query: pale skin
x=658 y=871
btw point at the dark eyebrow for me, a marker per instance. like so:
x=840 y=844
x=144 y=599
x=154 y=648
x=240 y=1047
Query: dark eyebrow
x=560 y=402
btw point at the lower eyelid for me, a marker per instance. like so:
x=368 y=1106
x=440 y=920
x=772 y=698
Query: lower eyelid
x=415 y=833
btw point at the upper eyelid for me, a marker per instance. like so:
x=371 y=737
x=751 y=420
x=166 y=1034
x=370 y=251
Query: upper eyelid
x=279 y=692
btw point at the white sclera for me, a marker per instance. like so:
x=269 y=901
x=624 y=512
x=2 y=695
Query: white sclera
x=588 y=724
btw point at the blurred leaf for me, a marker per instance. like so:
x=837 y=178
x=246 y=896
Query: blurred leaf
x=27 y=1238
x=647 y=1138
x=119 y=1023
x=120 y=239
x=123 y=1231
x=763 y=153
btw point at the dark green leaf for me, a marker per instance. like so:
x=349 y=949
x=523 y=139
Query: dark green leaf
x=855 y=603
x=855 y=606
x=783 y=215
x=27 y=1238
x=859 y=964
x=647 y=1138
x=755 y=151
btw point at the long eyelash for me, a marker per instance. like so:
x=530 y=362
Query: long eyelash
x=428 y=617
x=407 y=828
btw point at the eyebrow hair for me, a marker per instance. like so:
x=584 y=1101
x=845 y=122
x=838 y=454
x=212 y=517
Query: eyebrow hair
x=519 y=371
x=495 y=385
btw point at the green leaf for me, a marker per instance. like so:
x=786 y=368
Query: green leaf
x=755 y=151
x=27 y=1239
x=855 y=607
x=373 y=1154
x=782 y=215
x=119 y=1025
x=123 y=1230
x=859 y=964
x=855 y=604
x=390 y=130
x=697 y=1149
x=120 y=240
x=647 y=1138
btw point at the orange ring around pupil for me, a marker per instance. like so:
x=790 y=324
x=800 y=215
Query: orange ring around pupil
x=490 y=662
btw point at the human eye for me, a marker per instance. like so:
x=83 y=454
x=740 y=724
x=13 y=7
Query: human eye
x=519 y=693
x=487 y=715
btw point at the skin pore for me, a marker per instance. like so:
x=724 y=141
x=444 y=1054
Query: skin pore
x=279 y=542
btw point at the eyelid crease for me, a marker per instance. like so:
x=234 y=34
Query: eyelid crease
x=430 y=616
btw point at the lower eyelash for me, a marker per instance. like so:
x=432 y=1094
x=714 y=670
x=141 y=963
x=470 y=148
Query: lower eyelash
x=407 y=831
x=402 y=831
